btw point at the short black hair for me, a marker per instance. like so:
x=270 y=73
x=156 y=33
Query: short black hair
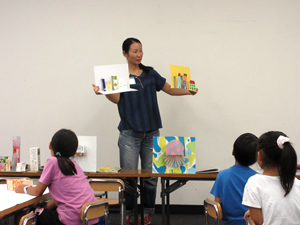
x=245 y=149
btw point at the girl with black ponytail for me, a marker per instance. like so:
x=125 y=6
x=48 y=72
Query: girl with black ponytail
x=64 y=145
x=67 y=183
x=274 y=196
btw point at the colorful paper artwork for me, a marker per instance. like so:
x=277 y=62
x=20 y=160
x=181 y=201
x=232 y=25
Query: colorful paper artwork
x=181 y=78
x=174 y=154
x=12 y=184
x=112 y=78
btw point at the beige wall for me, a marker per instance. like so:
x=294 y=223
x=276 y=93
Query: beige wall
x=244 y=55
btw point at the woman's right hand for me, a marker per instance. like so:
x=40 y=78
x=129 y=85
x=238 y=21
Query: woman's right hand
x=96 y=89
x=111 y=97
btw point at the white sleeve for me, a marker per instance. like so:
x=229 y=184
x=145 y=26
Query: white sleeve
x=251 y=196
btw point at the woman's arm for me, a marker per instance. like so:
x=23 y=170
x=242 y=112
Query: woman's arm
x=256 y=215
x=35 y=191
x=114 y=98
x=176 y=91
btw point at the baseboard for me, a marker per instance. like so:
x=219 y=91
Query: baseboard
x=174 y=209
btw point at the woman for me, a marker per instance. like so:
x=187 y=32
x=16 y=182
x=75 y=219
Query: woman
x=140 y=120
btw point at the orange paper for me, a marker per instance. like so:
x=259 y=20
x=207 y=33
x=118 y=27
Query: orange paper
x=12 y=184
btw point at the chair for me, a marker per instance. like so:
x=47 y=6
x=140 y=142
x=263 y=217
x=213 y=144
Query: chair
x=3 y=179
x=214 y=210
x=111 y=185
x=28 y=219
x=251 y=222
x=92 y=210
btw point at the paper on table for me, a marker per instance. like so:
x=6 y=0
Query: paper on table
x=11 y=198
x=109 y=169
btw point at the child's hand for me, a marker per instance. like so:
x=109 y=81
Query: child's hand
x=20 y=188
x=247 y=214
x=96 y=89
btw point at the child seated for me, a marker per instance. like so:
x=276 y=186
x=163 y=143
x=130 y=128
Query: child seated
x=229 y=186
x=274 y=196
x=67 y=183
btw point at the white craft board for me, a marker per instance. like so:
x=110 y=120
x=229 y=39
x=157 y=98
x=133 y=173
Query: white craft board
x=88 y=162
x=107 y=71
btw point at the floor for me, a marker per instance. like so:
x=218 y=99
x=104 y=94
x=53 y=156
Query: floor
x=175 y=219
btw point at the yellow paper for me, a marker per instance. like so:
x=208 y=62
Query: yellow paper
x=174 y=74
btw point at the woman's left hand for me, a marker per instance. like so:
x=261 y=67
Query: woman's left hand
x=194 y=92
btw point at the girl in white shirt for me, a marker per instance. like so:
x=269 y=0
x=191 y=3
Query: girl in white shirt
x=274 y=197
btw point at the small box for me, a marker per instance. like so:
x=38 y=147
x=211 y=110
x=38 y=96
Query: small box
x=21 y=166
x=3 y=162
x=16 y=147
x=108 y=85
x=80 y=150
x=35 y=159
x=8 y=164
x=122 y=84
x=115 y=82
x=12 y=184
x=103 y=84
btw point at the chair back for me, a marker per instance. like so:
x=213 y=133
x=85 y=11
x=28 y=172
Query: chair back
x=111 y=185
x=212 y=209
x=92 y=210
x=107 y=184
x=28 y=219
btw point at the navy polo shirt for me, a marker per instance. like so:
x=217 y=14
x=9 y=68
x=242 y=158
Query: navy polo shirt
x=139 y=110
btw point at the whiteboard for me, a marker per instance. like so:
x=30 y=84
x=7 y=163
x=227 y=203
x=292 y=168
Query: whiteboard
x=87 y=162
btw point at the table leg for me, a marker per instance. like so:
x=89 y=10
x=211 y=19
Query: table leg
x=142 y=199
x=168 y=203
x=163 y=195
x=135 y=205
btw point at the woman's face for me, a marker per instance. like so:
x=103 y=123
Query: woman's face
x=135 y=54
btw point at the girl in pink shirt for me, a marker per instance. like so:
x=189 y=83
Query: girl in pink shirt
x=66 y=181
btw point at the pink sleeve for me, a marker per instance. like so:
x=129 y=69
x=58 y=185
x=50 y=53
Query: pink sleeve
x=47 y=174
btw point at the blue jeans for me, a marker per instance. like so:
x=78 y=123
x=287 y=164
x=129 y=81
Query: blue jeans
x=132 y=145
